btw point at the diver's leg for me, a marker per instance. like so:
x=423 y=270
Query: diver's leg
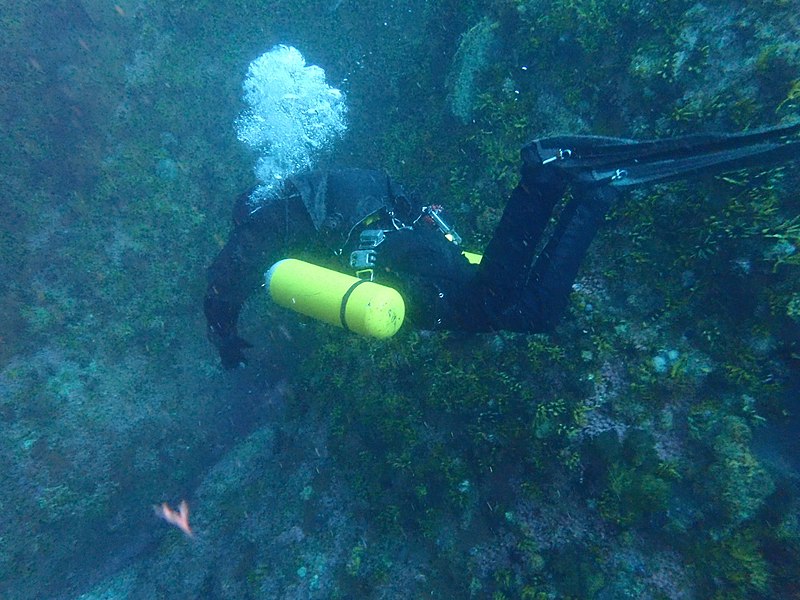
x=547 y=290
x=509 y=254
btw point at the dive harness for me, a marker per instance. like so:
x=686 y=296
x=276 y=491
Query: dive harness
x=364 y=258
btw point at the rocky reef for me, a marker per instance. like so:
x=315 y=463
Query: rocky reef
x=647 y=449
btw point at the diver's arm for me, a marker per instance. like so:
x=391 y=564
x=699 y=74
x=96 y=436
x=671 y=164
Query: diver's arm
x=237 y=271
x=232 y=278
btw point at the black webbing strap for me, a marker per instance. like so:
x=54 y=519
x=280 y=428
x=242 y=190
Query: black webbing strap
x=345 y=298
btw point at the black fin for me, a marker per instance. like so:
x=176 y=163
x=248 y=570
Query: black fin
x=713 y=163
x=623 y=162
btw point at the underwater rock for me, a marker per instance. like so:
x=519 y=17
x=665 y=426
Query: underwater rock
x=472 y=57
x=101 y=14
x=663 y=361
x=167 y=169
x=660 y=364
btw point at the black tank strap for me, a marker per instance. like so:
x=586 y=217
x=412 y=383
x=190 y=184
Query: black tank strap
x=345 y=298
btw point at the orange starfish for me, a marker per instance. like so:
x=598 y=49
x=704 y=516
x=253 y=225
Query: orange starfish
x=180 y=518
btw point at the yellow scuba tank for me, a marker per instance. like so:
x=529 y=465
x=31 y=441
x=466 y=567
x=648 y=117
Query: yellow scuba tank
x=473 y=257
x=354 y=304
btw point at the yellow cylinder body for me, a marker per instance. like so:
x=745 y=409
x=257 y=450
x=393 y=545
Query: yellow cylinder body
x=354 y=304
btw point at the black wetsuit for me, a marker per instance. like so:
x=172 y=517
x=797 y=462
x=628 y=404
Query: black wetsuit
x=511 y=289
x=324 y=212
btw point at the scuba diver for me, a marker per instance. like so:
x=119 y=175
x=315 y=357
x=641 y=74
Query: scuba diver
x=361 y=221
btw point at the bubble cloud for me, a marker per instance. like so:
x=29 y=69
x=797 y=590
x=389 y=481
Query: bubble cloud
x=291 y=115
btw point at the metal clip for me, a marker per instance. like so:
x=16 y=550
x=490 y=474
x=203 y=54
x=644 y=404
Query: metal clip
x=368 y=274
x=561 y=154
x=371 y=238
x=449 y=232
x=365 y=257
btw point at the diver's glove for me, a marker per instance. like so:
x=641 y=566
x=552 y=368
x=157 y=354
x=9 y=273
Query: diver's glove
x=230 y=351
x=221 y=316
x=230 y=347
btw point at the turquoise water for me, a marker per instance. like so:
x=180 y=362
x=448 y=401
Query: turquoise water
x=647 y=449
